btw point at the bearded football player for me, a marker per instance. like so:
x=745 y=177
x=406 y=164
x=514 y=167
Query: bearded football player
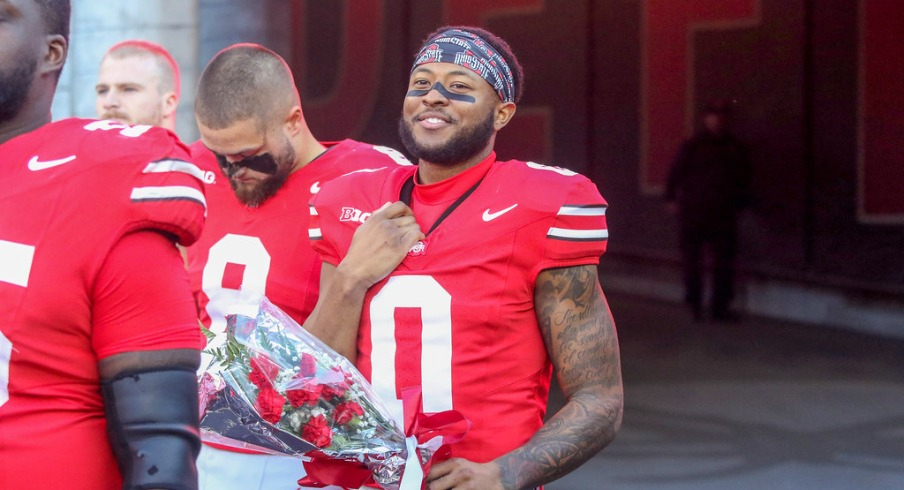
x=478 y=282
x=264 y=167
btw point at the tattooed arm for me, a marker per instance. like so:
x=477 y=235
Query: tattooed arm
x=582 y=343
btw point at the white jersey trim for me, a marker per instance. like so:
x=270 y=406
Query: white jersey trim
x=164 y=166
x=171 y=192
x=578 y=235
x=588 y=210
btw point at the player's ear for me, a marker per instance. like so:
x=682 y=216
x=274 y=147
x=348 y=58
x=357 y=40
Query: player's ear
x=55 y=49
x=294 y=120
x=504 y=113
x=170 y=103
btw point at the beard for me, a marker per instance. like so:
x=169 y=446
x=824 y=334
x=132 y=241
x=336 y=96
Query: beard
x=469 y=141
x=14 y=87
x=255 y=195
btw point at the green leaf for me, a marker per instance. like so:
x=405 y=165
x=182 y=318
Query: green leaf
x=207 y=333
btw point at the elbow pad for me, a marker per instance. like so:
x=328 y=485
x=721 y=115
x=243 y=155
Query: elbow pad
x=152 y=425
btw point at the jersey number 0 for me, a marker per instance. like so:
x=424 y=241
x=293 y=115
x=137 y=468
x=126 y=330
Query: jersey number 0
x=434 y=331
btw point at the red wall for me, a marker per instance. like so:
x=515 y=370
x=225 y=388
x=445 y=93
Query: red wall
x=613 y=87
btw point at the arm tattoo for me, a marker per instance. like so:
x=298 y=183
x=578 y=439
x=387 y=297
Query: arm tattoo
x=582 y=343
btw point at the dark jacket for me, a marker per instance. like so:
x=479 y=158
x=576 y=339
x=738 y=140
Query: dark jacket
x=710 y=178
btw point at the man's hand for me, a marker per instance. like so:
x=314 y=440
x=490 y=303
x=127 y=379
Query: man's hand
x=378 y=247
x=380 y=244
x=461 y=474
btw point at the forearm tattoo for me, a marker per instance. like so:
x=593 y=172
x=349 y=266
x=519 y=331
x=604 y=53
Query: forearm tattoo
x=582 y=343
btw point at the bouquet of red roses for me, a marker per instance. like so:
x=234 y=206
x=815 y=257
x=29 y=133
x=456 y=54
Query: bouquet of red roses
x=273 y=387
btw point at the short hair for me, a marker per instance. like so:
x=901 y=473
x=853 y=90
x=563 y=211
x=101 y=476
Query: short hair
x=56 y=15
x=244 y=81
x=498 y=44
x=170 y=80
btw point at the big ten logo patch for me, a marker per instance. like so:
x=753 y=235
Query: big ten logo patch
x=353 y=214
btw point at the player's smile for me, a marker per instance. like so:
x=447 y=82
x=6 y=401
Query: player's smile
x=434 y=119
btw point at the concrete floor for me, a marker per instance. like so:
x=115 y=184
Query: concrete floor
x=756 y=404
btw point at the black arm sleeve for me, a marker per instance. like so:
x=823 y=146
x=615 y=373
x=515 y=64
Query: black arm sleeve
x=152 y=425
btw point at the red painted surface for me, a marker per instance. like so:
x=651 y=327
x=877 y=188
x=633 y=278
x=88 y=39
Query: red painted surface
x=349 y=105
x=881 y=193
x=666 y=105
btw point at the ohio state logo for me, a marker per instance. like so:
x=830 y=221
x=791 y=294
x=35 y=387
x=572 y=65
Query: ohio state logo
x=419 y=248
x=431 y=54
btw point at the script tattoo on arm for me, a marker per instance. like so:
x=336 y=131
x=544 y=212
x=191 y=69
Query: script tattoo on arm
x=582 y=343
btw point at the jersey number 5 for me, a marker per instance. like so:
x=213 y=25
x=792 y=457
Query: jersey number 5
x=6 y=351
x=15 y=268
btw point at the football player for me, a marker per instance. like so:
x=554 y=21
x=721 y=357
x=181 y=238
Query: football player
x=99 y=342
x=138 y=83
x=496 y=284
x=266 y=166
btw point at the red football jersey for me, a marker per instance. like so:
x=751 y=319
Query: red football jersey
x=456 y=317
x=73 y=189
x=265 y=250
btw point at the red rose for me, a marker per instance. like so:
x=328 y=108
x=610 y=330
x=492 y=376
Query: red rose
x=308 y=365
x=308 y=394
x=262 y=371
x=317 y=432
x=345 y=412
x=334 y=390
x=257 y=377
x=270 y=404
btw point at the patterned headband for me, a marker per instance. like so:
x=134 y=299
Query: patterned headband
x=470 y=51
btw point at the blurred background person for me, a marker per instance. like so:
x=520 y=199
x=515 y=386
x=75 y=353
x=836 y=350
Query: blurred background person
x=138 y=83
x=708 y=185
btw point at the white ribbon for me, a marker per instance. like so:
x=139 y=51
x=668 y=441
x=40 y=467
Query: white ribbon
x=413 y=474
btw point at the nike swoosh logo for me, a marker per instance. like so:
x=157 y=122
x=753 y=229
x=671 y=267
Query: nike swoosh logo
x=315 y=187
x=488 y=216
x=34 y=164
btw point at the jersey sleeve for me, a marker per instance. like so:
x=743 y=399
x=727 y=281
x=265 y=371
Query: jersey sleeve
x=142 y=299
x=327 y=250
x=142 y=171
x=579 y=233
x=168 y=194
